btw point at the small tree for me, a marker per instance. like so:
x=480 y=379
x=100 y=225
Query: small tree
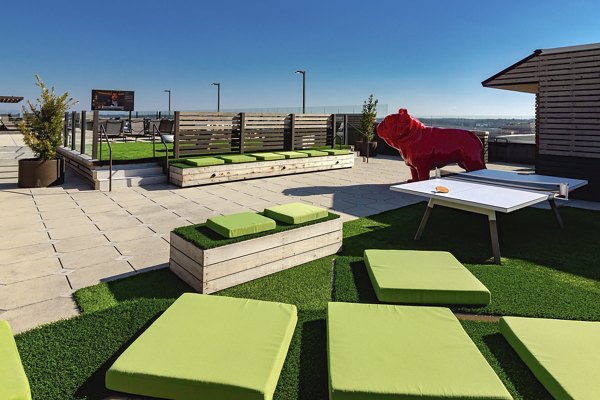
x=42 y=123
x=368 y=119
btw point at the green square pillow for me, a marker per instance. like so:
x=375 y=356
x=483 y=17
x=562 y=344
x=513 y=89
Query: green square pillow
x=563 y=355
x=292 y=154
x=385 y=352
x=237 y=158
x=240 y=224
x=208 y=347
x=313 y=153
x=295 y=213
x=13 y=381
x=204 y=161
x=268 y=156
x=423 y=277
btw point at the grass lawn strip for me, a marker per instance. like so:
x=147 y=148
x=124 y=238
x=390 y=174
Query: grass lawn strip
x=546 y=272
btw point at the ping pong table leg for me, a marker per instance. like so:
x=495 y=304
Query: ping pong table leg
x=556 y=213
x=424 y=219
x=494 y=237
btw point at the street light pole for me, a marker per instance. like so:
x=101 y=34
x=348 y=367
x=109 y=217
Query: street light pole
x=303 y=89
x=218 y=85
x=168 y=91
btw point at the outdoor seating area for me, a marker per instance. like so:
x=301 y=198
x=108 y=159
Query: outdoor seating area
x=323 y=359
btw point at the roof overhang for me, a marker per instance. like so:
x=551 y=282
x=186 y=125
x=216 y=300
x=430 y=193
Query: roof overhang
x=10 y=99
x=532 y=87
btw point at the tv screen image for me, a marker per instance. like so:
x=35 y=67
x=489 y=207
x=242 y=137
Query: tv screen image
x=112 y=100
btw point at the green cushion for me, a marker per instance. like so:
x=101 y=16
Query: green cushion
x=237 y=158
x=423 y=277
x=337 y=152
x=208 y=347
x=292 y=154
x=313 y=153
x=204 y=161
x=268 y=156
x=295 y=213
x=13 y=381
x=240 y=224
x=383 y=352
x=563 y=355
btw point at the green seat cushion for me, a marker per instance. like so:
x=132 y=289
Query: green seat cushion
x=204 y=161
x=237 y=159
x=268 y=156
x=240 y=224
x=208 y=347
x=292 y=154
x=295 y=213
x=313 y=153
x=383 y=352
x=563 y=355
x=337 y=152
x=13 y=381
x=423 y=277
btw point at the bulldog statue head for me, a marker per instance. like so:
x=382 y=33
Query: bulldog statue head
x=397 y=128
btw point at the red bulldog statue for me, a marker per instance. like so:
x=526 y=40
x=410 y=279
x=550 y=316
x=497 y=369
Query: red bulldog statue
x=424 y=148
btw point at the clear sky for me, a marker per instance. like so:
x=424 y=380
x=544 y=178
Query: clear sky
x=427 y=56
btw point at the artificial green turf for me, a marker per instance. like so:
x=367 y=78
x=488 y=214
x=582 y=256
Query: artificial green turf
x=128 y=151
x=546 y=272
x=205 y=238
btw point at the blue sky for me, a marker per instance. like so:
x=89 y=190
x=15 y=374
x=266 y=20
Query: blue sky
x=427 y=56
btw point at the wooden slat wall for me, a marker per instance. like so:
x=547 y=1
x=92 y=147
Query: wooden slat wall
x=568 y=105
x=265 y=132
x=312 y=130
x=208 y=133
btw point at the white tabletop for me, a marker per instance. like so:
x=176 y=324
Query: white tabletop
x=478 y=195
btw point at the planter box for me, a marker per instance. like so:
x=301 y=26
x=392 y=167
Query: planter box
x=196 y=176
x=211 y=270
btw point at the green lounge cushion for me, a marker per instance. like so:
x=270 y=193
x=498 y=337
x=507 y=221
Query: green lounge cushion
x=292 y=154
x=295 y=213
x=423 y=277
x=240 y=224
x=383 y=352
x=313 y=152
x=268 y=156
x=208 y=347
x=13 y=381
x=563 y=355
x=237 y=158
x=204 y=161
x=337 y=152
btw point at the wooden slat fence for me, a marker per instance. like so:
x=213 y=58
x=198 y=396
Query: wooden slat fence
x=207 y=133
x=312 y=130
x=199 y=133
x=265 y=132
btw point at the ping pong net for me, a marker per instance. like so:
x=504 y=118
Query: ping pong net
x=520 y=181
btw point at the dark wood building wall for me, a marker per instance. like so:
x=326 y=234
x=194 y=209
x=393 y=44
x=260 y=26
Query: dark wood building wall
x=567 y=87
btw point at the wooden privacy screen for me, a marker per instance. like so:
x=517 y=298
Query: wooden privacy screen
x=206 y=133
x=199 y=133
x=264 y=132
x=312 y=130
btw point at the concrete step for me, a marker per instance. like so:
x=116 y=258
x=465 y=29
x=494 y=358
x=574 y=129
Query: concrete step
x=132 y=181
x=119 y=172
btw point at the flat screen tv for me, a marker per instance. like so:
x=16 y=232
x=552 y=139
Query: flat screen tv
x=112 y=100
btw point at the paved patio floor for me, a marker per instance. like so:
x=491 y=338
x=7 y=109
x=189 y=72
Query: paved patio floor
x=56 y=240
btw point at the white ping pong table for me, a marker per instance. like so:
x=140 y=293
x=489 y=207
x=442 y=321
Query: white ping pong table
x=487 y=192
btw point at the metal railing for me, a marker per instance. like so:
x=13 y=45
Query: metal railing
x=104 y=135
